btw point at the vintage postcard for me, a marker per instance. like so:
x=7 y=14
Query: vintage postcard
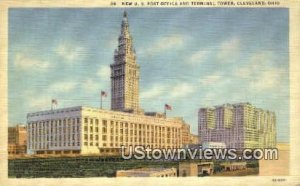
x=123 y=92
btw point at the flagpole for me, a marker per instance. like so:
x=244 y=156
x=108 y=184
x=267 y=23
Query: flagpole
x=165 y=111
x=51 y=105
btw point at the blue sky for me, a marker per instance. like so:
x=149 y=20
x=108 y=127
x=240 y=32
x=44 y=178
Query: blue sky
x=189 y=58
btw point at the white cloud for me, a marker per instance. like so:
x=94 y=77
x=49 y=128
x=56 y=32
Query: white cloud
x=25 y=62
x=44 y=102
x=244 y=72
x=229 y=50
x=198 y=57
x=182 y=90
x=155 y=91
x=61 y=91
x=261 y=60
x=178 y=90
x=62 y=86
x=269 y=79
x=257 y=63
x=165 y=43
x=209 y=97
x=89 y=85
x=39 y=102
x=92 y=86
x=104 y=72
x=210 y=79
x=260 y=73
x=70 y=52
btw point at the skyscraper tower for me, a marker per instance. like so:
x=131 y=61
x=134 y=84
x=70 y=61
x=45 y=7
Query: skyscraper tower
x=125 y=73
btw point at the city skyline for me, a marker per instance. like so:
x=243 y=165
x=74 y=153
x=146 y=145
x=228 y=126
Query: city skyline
x=73 y=63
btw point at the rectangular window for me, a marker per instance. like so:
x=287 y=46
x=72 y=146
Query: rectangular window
x=104 y=123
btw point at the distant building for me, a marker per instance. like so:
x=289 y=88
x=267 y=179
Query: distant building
x=194 y=139
x=232 y=166
x=148 y=172
x=17 y=140
x=195 y=169
x=186 y=135
x=238 y=126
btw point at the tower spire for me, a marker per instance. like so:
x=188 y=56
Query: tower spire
x=125 y=26
x=125 y=39
x=125 y=73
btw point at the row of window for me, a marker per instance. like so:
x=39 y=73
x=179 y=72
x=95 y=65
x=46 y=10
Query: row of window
x=130 y=132
x=126 y=139
x=53 y=144
x=128 y=144
x=117 y=124
x=54 y=137
x=55 y=122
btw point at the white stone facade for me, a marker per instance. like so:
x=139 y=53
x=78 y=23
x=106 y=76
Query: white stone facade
x=238 y=126
x=86 y=130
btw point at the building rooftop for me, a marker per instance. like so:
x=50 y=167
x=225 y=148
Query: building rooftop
x=228 y=105
x=145 y=171
x=94 y=109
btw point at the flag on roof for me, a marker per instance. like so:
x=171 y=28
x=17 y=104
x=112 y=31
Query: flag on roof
x=168 y=107
x=103 y=93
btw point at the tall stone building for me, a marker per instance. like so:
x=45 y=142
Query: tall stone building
x=238 y=126
x=125 y=73
x=86 y=130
